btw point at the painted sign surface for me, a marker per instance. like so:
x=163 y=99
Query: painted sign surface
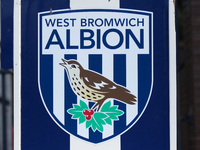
x=94 y=77
x=95 y=69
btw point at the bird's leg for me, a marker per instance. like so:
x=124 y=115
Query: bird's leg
x=99 y=103
x=94 y=106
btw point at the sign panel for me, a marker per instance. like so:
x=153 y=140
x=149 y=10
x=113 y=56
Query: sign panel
x=94 y=75
x=96 y=58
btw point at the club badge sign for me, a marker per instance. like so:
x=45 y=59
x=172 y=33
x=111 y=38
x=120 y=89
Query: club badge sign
x=100 y=62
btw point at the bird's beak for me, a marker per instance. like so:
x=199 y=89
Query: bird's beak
x=65 y=63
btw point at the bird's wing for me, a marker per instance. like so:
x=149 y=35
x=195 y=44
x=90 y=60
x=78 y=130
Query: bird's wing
x=101 y=84
x=98 y=82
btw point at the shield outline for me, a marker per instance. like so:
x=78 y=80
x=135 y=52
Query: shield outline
x=150 y=14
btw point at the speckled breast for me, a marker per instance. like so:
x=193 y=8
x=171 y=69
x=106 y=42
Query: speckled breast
x=80 y=89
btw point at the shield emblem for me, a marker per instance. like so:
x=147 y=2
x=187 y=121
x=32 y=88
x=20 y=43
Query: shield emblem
x=114 y=49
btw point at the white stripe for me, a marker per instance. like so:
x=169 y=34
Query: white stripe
x=107 y=65
x=81 y=128
x=172 y=76
x=58 y=88
x=132 y=85
x=80 y=4
x=17 y=74
x=112 y=144
x=82 y=58
x=74 y=142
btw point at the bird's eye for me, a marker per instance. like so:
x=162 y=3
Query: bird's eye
x=73 y=66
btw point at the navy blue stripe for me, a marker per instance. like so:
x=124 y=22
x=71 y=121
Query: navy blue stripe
x=7 y=34
x=70 y=98
x=144 y=80
x=46 y=80
x=38 y=130
x=120 y=78
x=95 y=64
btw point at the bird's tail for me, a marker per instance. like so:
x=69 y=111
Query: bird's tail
x=125 y=96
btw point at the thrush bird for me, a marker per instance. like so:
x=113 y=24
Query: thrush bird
x=92 y=86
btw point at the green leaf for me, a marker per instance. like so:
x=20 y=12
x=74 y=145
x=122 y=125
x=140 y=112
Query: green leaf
x=77 y=111
x=83 y=105
x=108 y=121
x=112 y=112
x=106 y=115
x=77 y=107
x=97 y=121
